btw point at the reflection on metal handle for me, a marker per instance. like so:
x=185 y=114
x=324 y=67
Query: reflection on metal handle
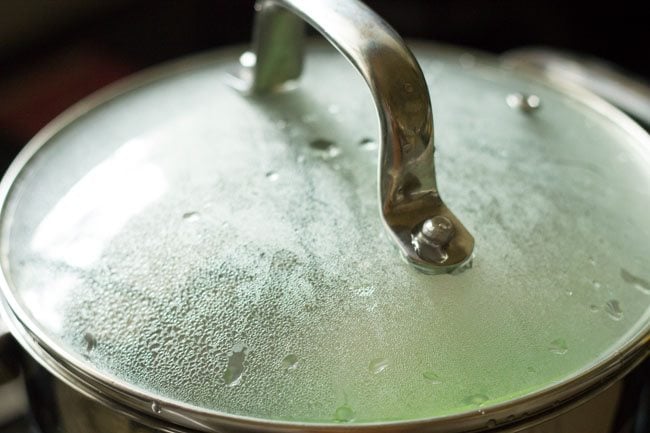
x=429 y=235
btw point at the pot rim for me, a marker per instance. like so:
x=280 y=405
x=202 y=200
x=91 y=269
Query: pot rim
x=566 y=393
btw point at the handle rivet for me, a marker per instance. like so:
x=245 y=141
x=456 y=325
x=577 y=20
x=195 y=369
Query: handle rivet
x=432 y=238
x=523 y=102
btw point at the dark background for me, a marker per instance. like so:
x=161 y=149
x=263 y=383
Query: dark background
x=54 y=52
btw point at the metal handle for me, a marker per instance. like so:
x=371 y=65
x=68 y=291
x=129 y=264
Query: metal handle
x=428 y=234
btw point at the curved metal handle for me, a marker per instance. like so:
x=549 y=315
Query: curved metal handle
x=428 y=234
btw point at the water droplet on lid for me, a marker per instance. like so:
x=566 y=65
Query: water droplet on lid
x=91 y=341
x=592 y=261
x=290 y=362
x=558 y=347
x=638 y=283
x=272 y=176
x=596 y=285
x=155 y=408
x=326 y=148
x=377 y=365
x=154 y=347
x=191 y=216
x=344 y=414
x=321 y=144
x=236 y=358
x=476 y=399
x=368 y=144
x=431 y=377
x=569 y=292
x=613 y=309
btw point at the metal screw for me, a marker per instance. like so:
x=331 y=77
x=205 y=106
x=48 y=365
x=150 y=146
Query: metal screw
x=523 y=102
x=432 y=238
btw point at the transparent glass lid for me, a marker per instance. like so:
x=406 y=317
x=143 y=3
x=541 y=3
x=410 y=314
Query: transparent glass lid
x=226 y=252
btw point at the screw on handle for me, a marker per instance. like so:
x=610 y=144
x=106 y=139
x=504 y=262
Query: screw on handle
x=410 y=202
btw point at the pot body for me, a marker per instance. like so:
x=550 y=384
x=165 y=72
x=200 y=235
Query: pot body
x=621 y=407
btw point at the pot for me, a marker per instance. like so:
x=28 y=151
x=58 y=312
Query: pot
x=197 y=248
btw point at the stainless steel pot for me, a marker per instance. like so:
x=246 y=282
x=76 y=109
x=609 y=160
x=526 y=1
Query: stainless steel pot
x=244 y=283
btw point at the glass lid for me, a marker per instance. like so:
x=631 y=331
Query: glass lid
x=225 y=252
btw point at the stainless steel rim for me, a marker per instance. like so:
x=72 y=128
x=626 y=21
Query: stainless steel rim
x=530 y=409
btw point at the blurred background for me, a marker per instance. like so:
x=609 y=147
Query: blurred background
x=54 y=52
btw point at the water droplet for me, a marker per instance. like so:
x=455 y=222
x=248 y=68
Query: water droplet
x=592 y=261
x=232 y=375
x=344 y=414
x=155 y=408
x=191 y=216
x=638 y=283
x=431 y=377
x=365 y=291
x=300 y=159
x=368 y=144
x=272 y=176
x=377 y=365
x=476 y=399
x=333 y=109
x=290 y=362
x=91 y=341
x=596 y=284
x=613 y=308
x=558 y=347
x=569 y=292
x=326 y=148
x=594 y=308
